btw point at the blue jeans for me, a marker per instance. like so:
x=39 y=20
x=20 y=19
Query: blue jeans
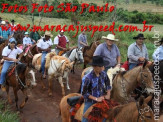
x=132 y=65
x=5 y=67
x=43 y=62
x=86 y=106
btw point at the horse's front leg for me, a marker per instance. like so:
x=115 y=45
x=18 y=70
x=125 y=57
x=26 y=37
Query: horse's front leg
x=62 y=86
x=25 y=98
x=16 y=96
x=50 y=85
x=8 y=96
x=67 y=83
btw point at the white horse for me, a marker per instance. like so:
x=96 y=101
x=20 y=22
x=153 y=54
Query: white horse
x=75 y=54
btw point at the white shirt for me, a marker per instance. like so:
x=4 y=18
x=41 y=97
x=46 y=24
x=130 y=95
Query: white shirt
x=56 y=39
x=44 y=44
x=27 y=40
x=11 y=53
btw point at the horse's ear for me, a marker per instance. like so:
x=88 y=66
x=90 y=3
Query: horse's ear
x=141 y=101
x=145 y=63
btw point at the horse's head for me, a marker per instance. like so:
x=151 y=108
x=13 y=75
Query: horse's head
x=30 y=77
x=145 y=78
x=79 y=55
x=95 y=44
x=144 y=112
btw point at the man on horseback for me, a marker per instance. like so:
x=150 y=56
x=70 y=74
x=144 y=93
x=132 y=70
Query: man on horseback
x=44 y=46
x=9 y=55
x=109 y=51
x=95 y=85
x=4 y=34
x=27 y=42
x=61 y=41
x=158 y=54
x=82 y=40
x=137 y=52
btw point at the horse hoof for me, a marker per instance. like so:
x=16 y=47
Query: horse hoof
x=10 y=101
x=50 y=94
x=21 y=106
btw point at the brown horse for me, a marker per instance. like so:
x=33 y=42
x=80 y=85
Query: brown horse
x=19 y=77
x=3 y=45
x=88 y=52
x=131 y=112
x=31 y=52
x=19 y=35
x=124 y=84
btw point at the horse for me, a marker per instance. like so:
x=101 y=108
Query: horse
x=21 y=77
x=2 y=46
x=137 y=111
x=58 y=67
x=29 y=56
x=88 y=52
x=19 y=35
x=125 y=82
x=76 y=55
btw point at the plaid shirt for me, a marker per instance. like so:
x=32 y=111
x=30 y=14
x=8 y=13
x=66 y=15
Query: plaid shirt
x=95 y=86
x=5 y=34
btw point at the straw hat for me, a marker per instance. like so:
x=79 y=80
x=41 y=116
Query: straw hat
x=48 y=33
x=110 y=37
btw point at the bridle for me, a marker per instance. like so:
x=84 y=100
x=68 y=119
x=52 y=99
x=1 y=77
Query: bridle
x=142 y=111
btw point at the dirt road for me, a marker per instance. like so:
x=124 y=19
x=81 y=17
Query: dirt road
x=40 y=107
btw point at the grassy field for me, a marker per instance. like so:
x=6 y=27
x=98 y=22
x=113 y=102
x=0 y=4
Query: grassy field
x=124 y=37
x=5 y=113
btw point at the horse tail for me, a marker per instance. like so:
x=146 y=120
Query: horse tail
x=48 y=58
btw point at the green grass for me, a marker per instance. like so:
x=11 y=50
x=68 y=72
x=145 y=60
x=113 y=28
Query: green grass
x=6 y=115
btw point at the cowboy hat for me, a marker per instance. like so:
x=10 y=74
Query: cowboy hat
x=26 y=33
x=12 y=20
x=62 y=31
x=3 y=22
x=99 y=61
x=48 y=33
x=140 y=35
x=110 y=37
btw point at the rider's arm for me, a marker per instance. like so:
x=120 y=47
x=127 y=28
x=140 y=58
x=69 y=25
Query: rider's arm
x=61 y=48
x=20 y=56
x=9 y=59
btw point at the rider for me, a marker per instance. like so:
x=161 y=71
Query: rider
x=27 y=42
x=158 y=54
x=137 y=51
x=82 y=40
x=44 y=46
x=109 y=51
x=95 y=85
x=9 y=54
x=61 y=41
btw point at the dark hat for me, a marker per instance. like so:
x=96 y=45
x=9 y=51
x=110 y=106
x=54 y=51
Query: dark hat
x=99 y=61
x=140 y=35
x=12 y=20
x=161 y=40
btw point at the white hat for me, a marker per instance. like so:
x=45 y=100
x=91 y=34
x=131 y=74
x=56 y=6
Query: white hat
x=3 y=22
x=110 y=37
x=61 y=31
x=26 y=33
x=48 y=33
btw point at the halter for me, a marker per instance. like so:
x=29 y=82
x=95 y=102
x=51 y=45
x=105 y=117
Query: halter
x=142 y=111
x=57 y=69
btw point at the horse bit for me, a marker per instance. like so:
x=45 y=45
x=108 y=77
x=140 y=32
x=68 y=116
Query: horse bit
x=142 y=111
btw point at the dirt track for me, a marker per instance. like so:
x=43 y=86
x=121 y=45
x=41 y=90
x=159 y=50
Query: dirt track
x=40 y=107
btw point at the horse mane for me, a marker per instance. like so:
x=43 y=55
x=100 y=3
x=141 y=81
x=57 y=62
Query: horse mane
x=69 y=52
x=48 y=58
x=21 y=68
x=87 y=48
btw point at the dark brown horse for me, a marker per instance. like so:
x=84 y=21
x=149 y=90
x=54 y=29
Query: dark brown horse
x=31 y=52
x=3 y=45
x=88 y=52
x=19 y=35
x=19 y=76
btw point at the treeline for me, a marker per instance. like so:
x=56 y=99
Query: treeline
x=120 y=15
x=157 y=2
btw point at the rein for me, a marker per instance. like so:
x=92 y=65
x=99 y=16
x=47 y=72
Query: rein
x=141 y=112
x=18 y=79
